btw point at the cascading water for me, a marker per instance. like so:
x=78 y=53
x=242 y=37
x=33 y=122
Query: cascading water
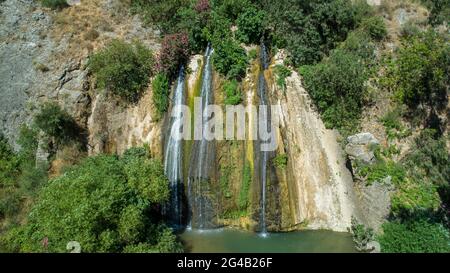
x=173 y=155
x=202 y=160
x=264 y=155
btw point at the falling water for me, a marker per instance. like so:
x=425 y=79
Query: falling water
x=262 y=87
x=173 y=160
x=202 y=158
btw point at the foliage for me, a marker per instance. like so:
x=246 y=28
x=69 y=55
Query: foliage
x=54 y=4
x=394 y=127
x=251 y=25
x=375 y=27
x=280 y=161
x=361 y=235
x=231 y=9
x=106 y=206
x=9 y=164
x=337 y=87
x=310 y=29
x=233 y=95
x=123 y=68
x=245 y=188
x=440 y=11
x=174 y=52
x=414 y=236
x=146 y=177
x=159 y=12
x=56 y=123
x=229 y=58
x=282 y=72
x=160 y=88
x=420 y=72
x=381 y=170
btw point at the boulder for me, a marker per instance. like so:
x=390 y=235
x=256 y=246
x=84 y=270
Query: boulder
x=360 y=148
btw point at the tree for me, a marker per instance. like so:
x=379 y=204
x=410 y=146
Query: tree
x=99 y=204
x=420 y=74
x=56 y=123
x=123 y=68
x=251 y=25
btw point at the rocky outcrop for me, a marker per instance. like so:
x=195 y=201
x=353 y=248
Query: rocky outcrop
x=360 y=148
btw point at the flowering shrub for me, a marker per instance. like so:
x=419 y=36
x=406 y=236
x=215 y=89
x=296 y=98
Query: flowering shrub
x=174 y=52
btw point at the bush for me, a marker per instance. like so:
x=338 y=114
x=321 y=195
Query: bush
x=123 y=68
x=280 y=161
x=9 y=164
x=361 y=235
x=231 y=9
x=108 y=206
x=282 y=72
x=420 y=72
x=233 y=95
x=415 y=236
x=337 y=87
x=311 y=29
x=375 y=26
x=251 y=25
x=160 y=88
x=174 y=53
x=54 y=4
x=230 y=59
x=56 y=123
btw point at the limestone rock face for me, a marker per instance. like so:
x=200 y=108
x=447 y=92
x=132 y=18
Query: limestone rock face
x=320 y=185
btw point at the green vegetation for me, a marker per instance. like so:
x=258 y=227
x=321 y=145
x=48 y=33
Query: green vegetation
x=54 y=4
x=9 y=164
x=375 y=27
x=57 y=123
x=108 y=206
x=311 y=29
x=123 y=68
x=414 y=236
x=282 y=72
x=251 y=25
x=233 y=94
x=419 y=74
x=280 y=161
x=337 y=86
x=229 y=58
x=361 y=235
x=160 y=88
x=243 y=201
x=440 y=11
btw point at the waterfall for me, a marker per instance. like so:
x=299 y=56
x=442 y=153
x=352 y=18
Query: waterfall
x=264 y=155
x=173 y=155
x=202 y=160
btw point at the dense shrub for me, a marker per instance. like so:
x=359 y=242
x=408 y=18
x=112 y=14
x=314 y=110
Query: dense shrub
x=54 y=4
x=415 y=236
x=230 y=59
x=233 y=94
x=56 y=123
x=108 y=206
x=160 y=88
x=310 y=29
x=159 y=12
x=251 y=25
x=123 y=68
x=337 y=87
x=420 y=72
x=440 y=11
x=231 y=9
x=174 y=52
x=9 y=163
x=375 y=27
x=282 y=72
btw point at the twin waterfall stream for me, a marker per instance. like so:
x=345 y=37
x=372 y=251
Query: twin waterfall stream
x=193 y=205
